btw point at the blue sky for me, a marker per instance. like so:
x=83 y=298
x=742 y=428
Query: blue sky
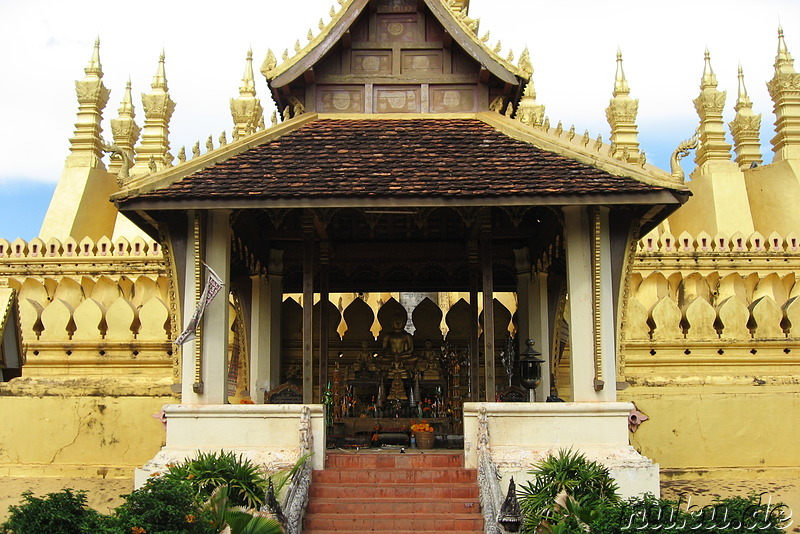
x=44 y=45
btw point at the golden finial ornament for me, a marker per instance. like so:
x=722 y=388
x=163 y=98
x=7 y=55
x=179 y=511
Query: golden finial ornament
x=332 y=12
x=269 y=63
x=546 y=124
x=497 y=47
x=151 y=164
x=585 y=138
x=182 y=155
x=310 y=35
x=321 y=24
x=196 y=150
x=209 y=144
x=274 y=118
x=559 y=129
x=486 y=37
x=571 y=133
x=598 y=143
x=524 y=62
x=297 y=46
x=285 y=55
x=621 y=115
x=510 y=57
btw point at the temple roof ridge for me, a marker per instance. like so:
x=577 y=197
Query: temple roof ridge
x=447 y=12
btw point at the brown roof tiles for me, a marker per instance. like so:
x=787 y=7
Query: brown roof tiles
x=423 y=158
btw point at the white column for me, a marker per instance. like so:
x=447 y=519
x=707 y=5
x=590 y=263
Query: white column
x=216 y=329
x=608 y=338
x=539 y=328
x=189 y=297
x=581 y=309
x=259 y=338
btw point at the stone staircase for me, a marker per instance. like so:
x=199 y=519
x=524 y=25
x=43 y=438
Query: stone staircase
x=416 y=492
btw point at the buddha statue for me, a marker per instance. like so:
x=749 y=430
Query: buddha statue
x=429 y=366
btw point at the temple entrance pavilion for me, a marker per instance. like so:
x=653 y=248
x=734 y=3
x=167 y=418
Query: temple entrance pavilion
x=328 y=206
x=411 y=158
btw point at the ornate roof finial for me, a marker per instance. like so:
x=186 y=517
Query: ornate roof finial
x=621 y=115
x=158 y=109
x=86 y=145
x=784 y=58
x=529 y=111
x=524 y=63
x=247 y=110
x=745 y=128
x=709 y=78
x=713 y=149
x=620 y=82
x=94 y=68
x=248 y=87
x=782 y=89
x=160 y=79
x=743 y=100
x=270 y=62
x=125 y=132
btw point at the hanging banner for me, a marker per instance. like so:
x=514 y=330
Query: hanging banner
x=213 y=286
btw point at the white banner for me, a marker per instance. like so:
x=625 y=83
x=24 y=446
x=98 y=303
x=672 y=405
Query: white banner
x=213 y=286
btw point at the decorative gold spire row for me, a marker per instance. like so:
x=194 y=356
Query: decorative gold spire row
x=153 y=152
x=621 y=114
x=125 y=131
x=745 y=128
x=709 y=105
x=784 y=88
x=246 y=110
x=86 y=145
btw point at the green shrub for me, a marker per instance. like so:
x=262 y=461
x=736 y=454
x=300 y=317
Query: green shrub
x=244 y=480
x=162 y=506
x=64 y=512
x=567 y=479
x=648 y=515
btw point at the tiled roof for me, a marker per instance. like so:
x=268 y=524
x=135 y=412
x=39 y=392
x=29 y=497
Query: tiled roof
x=421 y=158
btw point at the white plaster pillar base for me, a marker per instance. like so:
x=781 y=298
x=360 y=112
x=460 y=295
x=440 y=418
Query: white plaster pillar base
x=523 y=434
x=268 y=434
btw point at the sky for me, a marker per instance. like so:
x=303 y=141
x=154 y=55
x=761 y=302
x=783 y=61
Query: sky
x=45 y=44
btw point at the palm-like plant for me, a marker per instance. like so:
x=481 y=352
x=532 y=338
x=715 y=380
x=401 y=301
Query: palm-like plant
x=244 y=479
x=564 y=485
x=238 y=519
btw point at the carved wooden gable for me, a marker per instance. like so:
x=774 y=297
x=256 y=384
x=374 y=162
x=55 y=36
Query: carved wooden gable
x=396 y=56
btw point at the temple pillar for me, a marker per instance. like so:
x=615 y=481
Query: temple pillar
x=324 y=319
x=474 y=340
x=533 y=316
x=216 y=326
x=591 y=304
x=581 y=306
x=308 y=307
x=265 y=328
x=190 y=292
x=488 y=308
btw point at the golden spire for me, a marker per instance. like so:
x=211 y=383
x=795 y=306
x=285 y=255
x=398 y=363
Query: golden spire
x=246 y=110
x=786 y=100
x=621 y=115
x=783 y=61
x=744 y=128
x=125 y=130
x=709 y=78
x=709 y=105
x=620 y=82
x=160 y=79
x=248 y=87
x=86 y=145
x=158 y=108
x=529 y=111
x=94 y=68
